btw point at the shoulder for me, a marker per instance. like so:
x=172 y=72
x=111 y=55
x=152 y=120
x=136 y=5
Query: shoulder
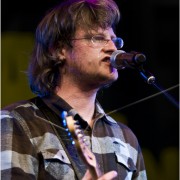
x=19 y=104
x=14 y=105
x=23 y=117
x=129 y=134
x=125 y=131
x=20 y=107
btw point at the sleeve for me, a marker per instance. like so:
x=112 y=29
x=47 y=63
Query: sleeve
x=18 y=157
x=131 y=139
x=140 y=174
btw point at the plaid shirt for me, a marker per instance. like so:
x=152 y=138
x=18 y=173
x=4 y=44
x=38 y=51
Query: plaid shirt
x=32 y=149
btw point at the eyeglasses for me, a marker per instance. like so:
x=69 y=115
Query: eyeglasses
x=100 y=41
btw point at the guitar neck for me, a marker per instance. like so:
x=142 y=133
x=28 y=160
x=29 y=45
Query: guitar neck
x=84 y=152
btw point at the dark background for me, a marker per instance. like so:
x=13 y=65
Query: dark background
x=147 y=26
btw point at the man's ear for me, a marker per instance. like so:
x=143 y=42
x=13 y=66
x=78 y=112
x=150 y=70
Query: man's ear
x=61 y=54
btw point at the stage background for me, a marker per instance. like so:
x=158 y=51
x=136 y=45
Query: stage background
x=151 y=27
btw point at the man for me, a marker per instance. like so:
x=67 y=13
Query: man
x=69 y=64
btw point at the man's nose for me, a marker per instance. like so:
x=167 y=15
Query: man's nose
x=110 y=46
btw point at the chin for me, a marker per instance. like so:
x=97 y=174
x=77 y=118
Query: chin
x=114 y=75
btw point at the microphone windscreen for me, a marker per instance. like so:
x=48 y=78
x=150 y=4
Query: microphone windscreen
x=113 y=59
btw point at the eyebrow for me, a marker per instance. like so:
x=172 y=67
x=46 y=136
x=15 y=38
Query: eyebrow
x=98 y=34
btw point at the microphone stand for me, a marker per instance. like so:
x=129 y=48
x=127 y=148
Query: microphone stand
x=150 y=79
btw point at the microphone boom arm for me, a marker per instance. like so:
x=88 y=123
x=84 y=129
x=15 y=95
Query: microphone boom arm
x=150 y=79
x=134 y=60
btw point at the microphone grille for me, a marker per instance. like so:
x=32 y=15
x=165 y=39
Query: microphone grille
x=114 y=63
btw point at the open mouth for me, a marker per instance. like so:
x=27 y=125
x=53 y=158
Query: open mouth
x=107 y=59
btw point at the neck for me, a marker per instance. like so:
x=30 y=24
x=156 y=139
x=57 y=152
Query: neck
x=82 y=100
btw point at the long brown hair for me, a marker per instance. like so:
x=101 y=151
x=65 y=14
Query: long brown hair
x=57 y=29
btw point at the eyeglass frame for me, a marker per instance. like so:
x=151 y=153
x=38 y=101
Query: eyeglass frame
x=104 y=40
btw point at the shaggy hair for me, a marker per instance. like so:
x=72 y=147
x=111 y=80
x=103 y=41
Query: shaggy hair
x=56 y=30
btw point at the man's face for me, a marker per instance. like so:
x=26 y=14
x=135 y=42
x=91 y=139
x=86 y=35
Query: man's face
x=89 y=63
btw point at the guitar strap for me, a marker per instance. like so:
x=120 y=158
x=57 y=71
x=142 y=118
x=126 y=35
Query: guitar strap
x=76 y=162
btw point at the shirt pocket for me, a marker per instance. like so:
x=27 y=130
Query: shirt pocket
x=55 y=155
x=57 y=164
x=123 y=156
x=127 y=162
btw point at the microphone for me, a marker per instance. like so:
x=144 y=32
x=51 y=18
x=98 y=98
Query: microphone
x=120 y=59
